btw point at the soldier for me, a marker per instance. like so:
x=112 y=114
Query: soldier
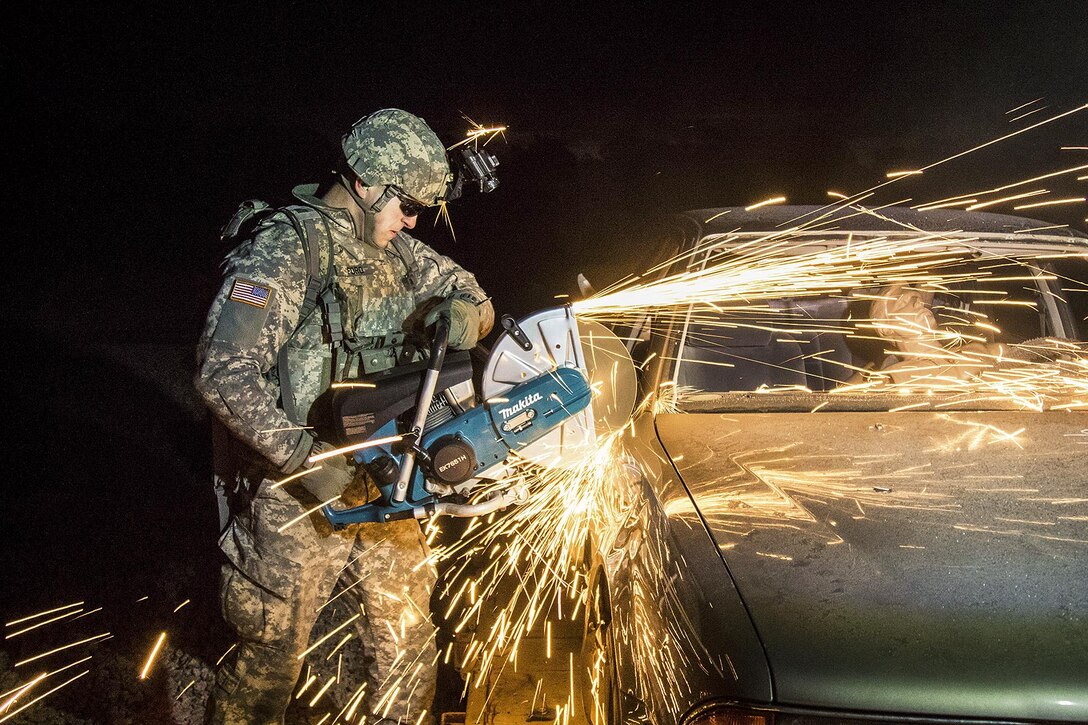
x=269 y=349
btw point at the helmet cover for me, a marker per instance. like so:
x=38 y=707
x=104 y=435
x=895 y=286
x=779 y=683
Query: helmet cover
x=394 y=147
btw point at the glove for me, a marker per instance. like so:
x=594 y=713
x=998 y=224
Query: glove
x=332 y=476
x=464 y=321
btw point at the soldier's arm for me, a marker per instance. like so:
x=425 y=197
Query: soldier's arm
x=252 y=317
x=440 y=276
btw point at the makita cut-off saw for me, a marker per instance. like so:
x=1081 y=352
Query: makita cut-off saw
x=551 y=385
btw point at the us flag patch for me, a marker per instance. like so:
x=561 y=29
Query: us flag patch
x=250 y=294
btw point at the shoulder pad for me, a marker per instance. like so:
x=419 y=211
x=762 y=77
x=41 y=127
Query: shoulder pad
x=287 y=215
x=250 y=210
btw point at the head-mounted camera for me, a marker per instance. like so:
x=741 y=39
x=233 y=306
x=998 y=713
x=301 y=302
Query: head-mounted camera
x=472 y=166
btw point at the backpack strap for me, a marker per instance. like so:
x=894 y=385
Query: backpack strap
x=404 y=251
x=319 y=288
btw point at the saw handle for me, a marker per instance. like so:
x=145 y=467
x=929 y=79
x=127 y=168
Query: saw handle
x=426 y=394
x=439 y=342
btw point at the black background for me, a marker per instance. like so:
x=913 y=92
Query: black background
x=139 y=129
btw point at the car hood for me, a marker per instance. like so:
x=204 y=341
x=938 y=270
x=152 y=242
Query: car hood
x=911 y=562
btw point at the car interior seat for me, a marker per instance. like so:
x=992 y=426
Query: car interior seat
x=717 y=358
x=829 y=360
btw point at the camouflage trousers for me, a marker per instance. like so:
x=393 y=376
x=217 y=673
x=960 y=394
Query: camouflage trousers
x=275 y=584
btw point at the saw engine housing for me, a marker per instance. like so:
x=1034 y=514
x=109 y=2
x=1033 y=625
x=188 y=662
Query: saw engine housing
x=468 y=446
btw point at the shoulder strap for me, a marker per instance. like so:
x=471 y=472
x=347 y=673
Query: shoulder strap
x=318 y=287
x=404 y=251
x=305 y=223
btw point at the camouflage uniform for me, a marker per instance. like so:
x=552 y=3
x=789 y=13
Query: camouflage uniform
x=275 y=582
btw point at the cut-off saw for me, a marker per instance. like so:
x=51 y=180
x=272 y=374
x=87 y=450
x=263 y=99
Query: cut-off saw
x=433 y=444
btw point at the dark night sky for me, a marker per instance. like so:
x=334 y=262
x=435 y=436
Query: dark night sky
x=139 y=128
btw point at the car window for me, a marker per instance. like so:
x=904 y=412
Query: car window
x=894 y=335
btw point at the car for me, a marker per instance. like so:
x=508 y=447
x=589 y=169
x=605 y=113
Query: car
x=829 y=524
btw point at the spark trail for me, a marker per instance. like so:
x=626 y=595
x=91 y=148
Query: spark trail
x=513 y=575
x=533 y=556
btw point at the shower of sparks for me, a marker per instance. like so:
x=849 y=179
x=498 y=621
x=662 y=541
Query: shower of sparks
x=768 y=488
x=1007 y=136
x=306 y=513
x=1004 y=199
x=476 y=135
x=152 y=655
x=1052 y=202
x=1023 y=106
x=329 y=635
x=770 y=267
x=962 y=198
x=88 y=640
x=488 y=133
x=537 y=549
x=979 y=435
x=1028 y=113
x=766 y=202
x=479 y=133
x=296 y=476
x=444 y=215
x=15 y=695
x=354 y=447
x=729 y=283
x=184 y=690
x=532 y=574
x=43 y=614
x=44 y=695
x=511 y=578
x=43 y=623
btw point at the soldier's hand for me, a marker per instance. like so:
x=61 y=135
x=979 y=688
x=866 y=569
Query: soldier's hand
x=329 y=476
x=464 y=319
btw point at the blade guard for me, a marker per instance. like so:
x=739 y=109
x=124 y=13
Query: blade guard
x=549 y=340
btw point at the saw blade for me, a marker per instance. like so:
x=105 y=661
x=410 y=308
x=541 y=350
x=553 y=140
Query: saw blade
x=555 y=338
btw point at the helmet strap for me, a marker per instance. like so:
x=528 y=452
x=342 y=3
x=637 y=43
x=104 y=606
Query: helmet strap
x=370 y=211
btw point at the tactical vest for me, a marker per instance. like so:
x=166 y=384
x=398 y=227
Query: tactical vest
x=351 y=355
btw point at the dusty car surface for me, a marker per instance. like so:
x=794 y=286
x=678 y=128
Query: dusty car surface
x=870 y=505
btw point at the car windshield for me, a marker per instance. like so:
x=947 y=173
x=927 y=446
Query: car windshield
x=1011 y=339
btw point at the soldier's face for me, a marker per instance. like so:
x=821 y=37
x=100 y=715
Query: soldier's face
x=390 y=220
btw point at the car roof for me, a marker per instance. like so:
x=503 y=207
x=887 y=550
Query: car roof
x=724 y=220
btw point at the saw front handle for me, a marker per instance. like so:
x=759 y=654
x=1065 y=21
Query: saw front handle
x=423 y=404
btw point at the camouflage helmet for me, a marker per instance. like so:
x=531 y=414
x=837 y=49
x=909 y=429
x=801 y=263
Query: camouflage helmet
x=394 y=147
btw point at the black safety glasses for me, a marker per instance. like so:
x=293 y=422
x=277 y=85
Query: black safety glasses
x=408 y=206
